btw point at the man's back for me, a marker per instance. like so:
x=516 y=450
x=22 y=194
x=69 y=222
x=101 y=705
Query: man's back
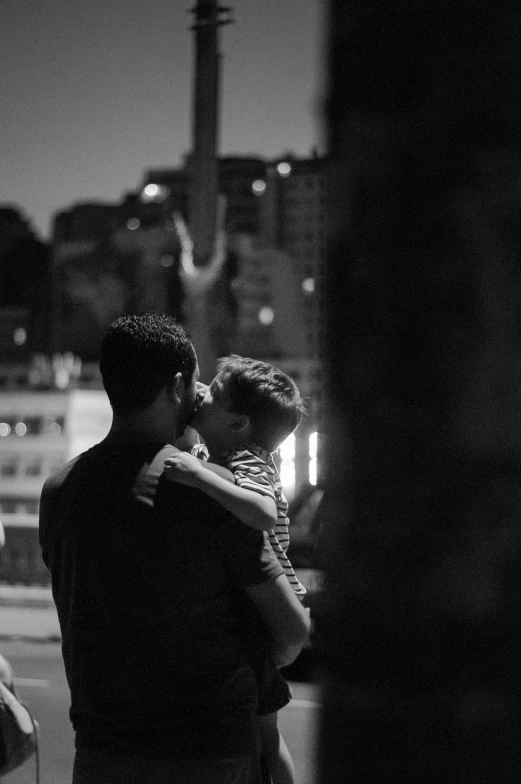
x=145 y=583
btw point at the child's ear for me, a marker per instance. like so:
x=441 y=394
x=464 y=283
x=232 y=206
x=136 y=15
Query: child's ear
x=239 y=423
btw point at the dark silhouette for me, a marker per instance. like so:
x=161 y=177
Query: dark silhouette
x=421 y=533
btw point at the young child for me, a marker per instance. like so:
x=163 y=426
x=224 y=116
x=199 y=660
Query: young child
x=243 y=416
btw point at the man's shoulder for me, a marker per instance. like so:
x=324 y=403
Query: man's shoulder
x=81 y=463
x=58 y=477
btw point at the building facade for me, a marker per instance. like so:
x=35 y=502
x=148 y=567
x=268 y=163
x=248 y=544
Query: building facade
x=294 y=219
x=45 y=420
x=25 y=291
x=276 y=224
x=279 y=291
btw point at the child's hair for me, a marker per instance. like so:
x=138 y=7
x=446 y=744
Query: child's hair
x=269 y=397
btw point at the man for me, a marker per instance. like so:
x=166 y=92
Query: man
x=149 y=579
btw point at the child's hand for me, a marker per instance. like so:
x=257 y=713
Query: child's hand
x=189 y=439
x=183 y=468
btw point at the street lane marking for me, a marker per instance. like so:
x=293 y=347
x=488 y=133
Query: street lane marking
x=33 y=683
x=304 y=704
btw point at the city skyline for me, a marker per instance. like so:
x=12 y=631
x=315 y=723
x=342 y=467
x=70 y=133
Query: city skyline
x=89 y=108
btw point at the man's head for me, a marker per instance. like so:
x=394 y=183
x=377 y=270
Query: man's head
x=144 y=355
x=248 y=400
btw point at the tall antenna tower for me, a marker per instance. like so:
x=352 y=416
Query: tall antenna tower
x=209 y=16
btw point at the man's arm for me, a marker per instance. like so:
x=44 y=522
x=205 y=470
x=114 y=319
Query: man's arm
x=285 y=617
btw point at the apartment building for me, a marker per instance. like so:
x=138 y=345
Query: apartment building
x=45 y=420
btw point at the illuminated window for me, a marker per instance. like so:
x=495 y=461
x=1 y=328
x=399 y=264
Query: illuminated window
x=5 y=429
x=287 y=465
x=20 y=429
x=287 y=448
x=308 y=285
x=62 y=377
x=133 y=224
x=313 y=439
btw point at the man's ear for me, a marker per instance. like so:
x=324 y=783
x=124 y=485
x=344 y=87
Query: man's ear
x=239 y=423
x=176 y=390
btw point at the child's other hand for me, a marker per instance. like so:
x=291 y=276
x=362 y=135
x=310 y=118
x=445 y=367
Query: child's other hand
x=183 y=468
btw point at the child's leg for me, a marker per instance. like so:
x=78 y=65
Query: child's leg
x=278 y=758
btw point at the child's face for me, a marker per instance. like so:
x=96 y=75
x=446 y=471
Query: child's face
x=212 y=419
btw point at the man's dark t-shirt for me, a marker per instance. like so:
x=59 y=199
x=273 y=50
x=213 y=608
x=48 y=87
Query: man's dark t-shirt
x=147 y=577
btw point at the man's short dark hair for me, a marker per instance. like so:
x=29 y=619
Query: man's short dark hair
x=269 y=397
x=140 y=356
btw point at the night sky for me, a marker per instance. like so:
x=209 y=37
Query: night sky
x=94 y=92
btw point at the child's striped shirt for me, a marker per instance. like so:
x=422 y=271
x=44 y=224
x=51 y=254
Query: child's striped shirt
x=254 y=469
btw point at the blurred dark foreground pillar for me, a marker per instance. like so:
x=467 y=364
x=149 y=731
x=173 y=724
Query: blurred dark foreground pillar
x=421 y=523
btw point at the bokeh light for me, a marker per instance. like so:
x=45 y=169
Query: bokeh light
x=167 y=260
x=287 y=466
x=313 y=440
x=284 y=168
x=258 y=187
x=266 y=316
x=20 y=336
x=151 y=190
